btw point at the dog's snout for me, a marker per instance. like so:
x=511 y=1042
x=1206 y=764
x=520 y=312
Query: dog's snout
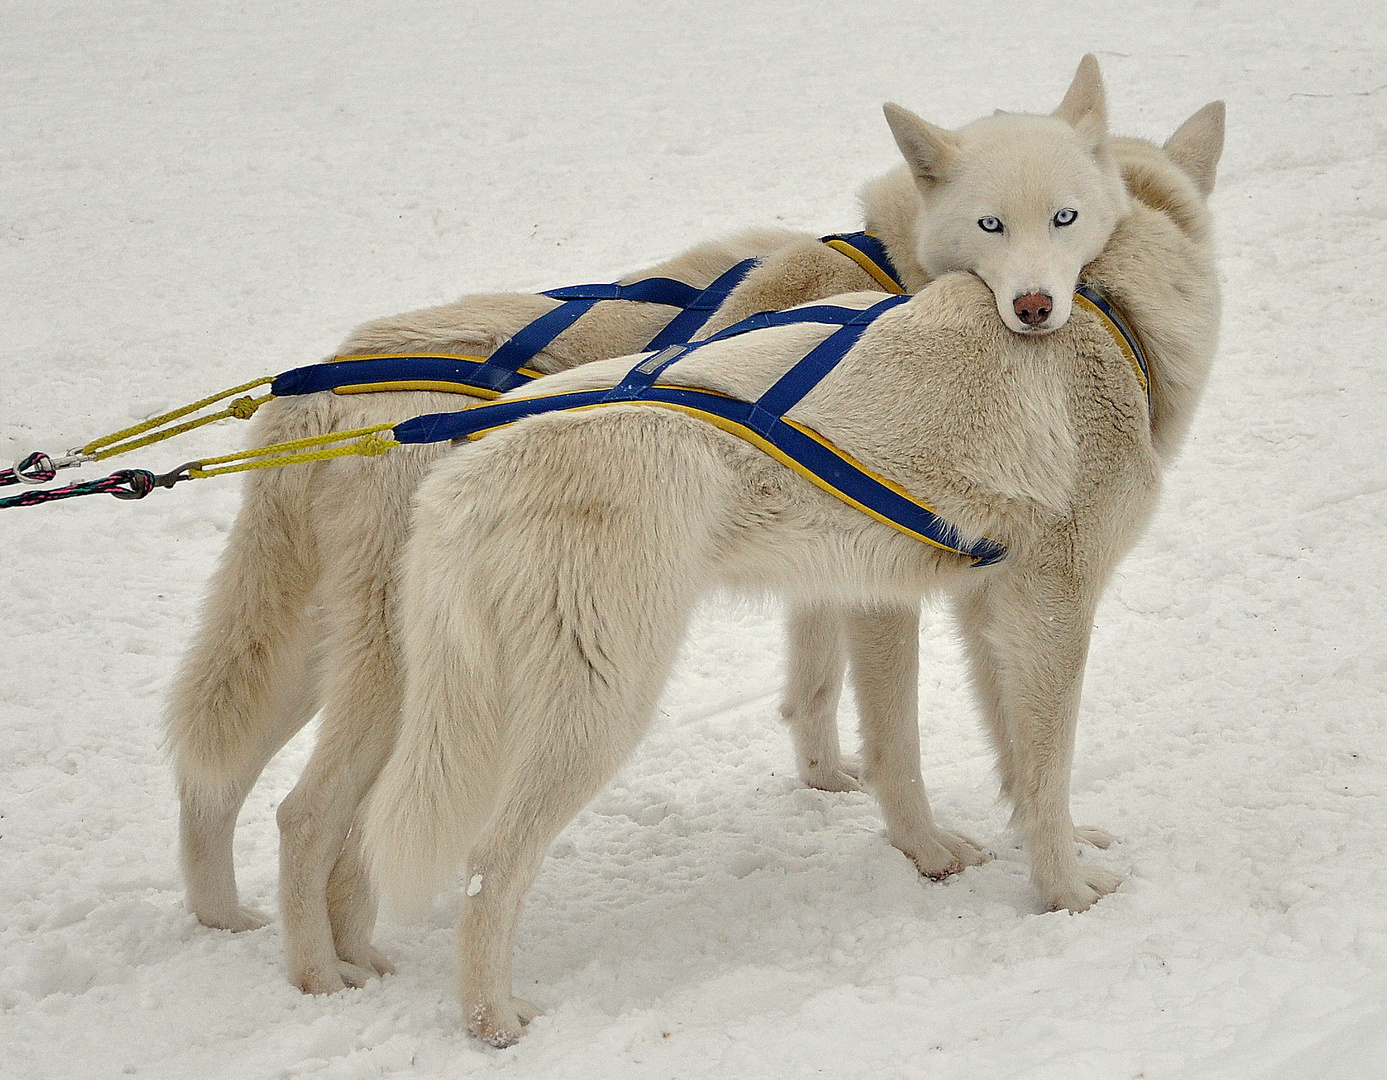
x=1033 y=308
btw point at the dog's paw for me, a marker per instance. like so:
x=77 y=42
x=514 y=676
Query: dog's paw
x=334 y=975
x=939 y=853
x=839 y=775
x=499 y=1026
x=316 y=979
x=366 y=958
x=1097 y=837
x=355 y=976
x=1088 y=887
x=238 y=921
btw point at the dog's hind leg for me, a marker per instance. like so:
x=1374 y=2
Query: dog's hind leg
x=245 y=686
x=883 y=643
x=555 y=781
x=363 y=515
x=351 y=907
x=320 y=877
x=562 y=746
x=813 y=683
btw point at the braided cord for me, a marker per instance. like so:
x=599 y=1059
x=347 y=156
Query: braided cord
x=242 y=408
x=126 y=484
x=37 y=468
x=313 y=448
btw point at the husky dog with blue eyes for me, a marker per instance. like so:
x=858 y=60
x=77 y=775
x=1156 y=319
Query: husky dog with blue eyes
x=553 y=564
x=1024 y=202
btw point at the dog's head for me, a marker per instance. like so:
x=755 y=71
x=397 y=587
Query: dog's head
x=1022 y=201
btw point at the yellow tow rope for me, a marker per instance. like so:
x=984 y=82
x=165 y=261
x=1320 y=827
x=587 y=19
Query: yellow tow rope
x=242 y=408
x=313 y=448
x=368 y=444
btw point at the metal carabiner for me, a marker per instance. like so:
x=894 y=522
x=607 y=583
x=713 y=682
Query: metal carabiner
x=176 y=476
x=39 y=468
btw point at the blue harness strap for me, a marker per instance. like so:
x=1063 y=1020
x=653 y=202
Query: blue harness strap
x=759 y=422
x=700 y=309
x=505 y=369
x=444 y=372
x=640 y=379
x=697 y=307
x=1091 y=298
x=869 y=253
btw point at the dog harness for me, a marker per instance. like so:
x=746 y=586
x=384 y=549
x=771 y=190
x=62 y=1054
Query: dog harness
x=489 y=377
x=1091 y=299
x=761 y=422
x=483 y=377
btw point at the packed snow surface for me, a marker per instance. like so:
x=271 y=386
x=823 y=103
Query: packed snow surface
x=194 y=194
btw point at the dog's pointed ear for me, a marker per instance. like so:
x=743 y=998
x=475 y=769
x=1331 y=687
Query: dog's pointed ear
x=1084 y=107
x=928 y=150
x=1197 y=146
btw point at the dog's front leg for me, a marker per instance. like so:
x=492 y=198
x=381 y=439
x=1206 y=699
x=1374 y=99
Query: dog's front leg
x=970 y=612
x=1037 y=618
x=883 y=643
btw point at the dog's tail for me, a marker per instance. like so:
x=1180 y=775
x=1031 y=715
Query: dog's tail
x=433 y=796
x=424 y=809
x=247 y=682
x=441 y=781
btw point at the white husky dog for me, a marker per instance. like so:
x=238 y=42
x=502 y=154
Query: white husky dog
x=554 y=564
x=297 y=616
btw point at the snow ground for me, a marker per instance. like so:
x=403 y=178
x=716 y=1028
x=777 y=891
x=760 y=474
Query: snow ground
x=196 y=193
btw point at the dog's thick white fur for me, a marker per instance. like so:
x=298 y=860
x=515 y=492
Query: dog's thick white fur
x=298 y=612
x=553 y=564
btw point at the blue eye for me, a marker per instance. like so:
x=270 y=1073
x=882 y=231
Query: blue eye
x=1066 y=217
x=991 y=224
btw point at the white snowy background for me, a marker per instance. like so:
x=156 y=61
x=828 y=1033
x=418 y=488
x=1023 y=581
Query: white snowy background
x=193 y=193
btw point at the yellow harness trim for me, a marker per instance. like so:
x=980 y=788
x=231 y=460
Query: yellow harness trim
x=1118 y=337
x=481 y=393
x=878 y=274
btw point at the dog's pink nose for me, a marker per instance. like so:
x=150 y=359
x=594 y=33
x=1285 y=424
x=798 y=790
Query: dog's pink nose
x=1033 y=308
